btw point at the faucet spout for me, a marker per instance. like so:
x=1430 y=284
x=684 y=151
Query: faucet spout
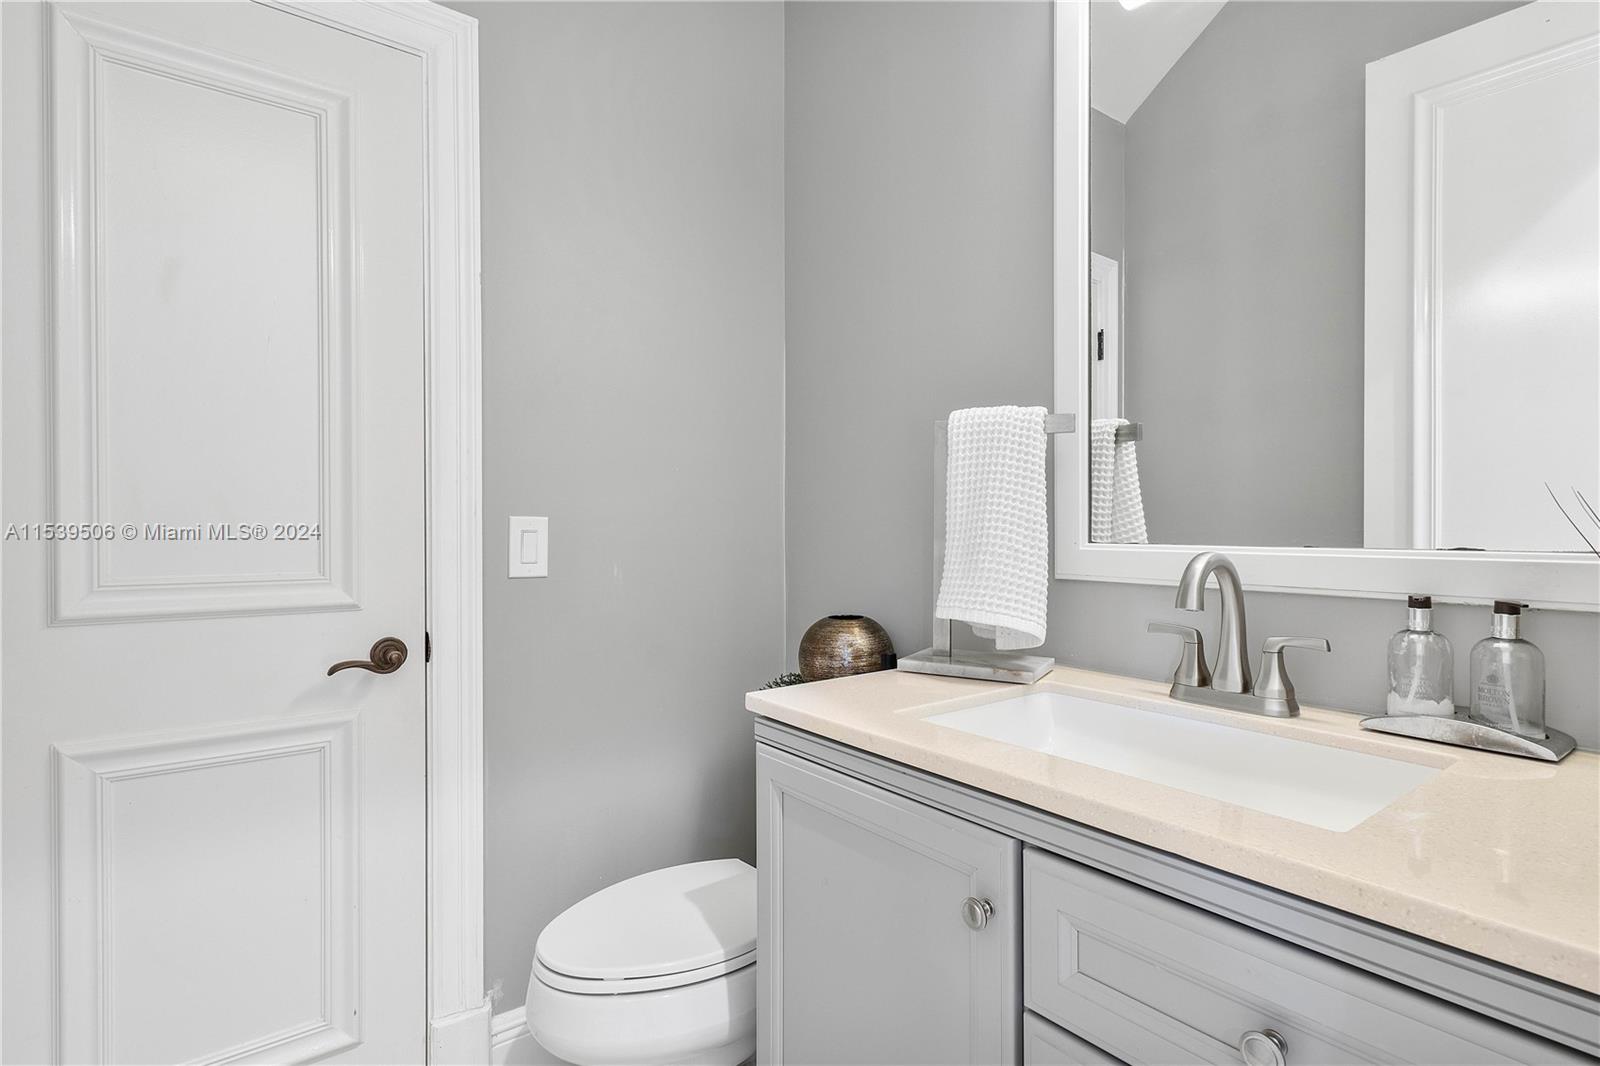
x=1232 y=671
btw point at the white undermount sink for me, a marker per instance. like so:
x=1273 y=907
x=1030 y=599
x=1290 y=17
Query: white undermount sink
x=1332 y=788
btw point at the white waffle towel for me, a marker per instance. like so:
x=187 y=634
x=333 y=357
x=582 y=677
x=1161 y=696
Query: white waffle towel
x=1116 y=505
x=996 y=527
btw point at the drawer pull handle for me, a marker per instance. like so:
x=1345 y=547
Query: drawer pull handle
x=1263 y=1047
x=975 y=912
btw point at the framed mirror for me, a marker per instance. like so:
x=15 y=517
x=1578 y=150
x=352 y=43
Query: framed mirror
x=1328 y=294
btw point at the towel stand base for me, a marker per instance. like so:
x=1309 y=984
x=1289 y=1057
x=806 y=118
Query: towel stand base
x=1020 y=669
x=979 y=665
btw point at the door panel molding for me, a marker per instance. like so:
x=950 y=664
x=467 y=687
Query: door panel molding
x=99 y=801
x=86 y=585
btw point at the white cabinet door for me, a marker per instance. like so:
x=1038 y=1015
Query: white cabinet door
x=865 y=953
x=213 y=374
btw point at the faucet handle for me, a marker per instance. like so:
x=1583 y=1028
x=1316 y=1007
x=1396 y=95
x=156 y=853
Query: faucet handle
x=1274 y=645
x=1191 y=669
x=1273 y=683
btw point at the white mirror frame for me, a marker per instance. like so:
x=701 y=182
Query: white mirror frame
x=1554 y=581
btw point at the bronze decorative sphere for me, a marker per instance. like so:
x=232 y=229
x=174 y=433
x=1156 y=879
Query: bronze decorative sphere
x=844 y=644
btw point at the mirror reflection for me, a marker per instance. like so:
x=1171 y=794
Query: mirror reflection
x=1345 y=279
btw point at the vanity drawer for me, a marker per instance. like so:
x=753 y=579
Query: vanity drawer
x=1044 y=1044
x=1152 y=980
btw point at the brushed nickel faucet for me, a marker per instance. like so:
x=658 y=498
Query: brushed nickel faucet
x=1232 y=672
x=1228 y=685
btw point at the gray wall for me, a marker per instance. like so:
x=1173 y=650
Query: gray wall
x=918 y=255
x=633 y=383
x=1245 y=179
x=1108 y=149
x=918 y=159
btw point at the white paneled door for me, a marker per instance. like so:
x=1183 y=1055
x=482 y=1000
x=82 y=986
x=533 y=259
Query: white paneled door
x=214 y=850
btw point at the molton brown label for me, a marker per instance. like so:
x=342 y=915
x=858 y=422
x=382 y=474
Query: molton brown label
x=1490 y=693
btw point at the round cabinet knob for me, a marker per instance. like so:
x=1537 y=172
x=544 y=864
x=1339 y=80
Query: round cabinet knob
x=1263 y=1047
x=975 y=912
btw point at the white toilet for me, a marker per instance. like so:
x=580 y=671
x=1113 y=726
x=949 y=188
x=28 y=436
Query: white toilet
x=657 y=969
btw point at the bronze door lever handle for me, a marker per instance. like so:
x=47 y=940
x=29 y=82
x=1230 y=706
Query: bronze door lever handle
x=386 y=656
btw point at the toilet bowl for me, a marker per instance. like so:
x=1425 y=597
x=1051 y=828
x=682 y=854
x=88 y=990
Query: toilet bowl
x=655 y=970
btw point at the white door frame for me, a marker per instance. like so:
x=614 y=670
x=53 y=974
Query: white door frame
x=446 y=44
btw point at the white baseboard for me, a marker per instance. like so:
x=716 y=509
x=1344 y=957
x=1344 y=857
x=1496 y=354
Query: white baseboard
x=460 y=1039
x=510 y=1042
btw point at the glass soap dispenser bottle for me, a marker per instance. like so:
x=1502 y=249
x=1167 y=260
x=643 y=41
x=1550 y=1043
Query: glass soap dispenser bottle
x=1508 y=676
x=1422 y=666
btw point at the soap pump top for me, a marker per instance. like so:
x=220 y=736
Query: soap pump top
x=1421 y=665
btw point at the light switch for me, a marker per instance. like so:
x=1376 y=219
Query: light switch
x=529 y=542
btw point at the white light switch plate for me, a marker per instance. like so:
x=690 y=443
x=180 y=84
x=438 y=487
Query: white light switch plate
x=528 y=545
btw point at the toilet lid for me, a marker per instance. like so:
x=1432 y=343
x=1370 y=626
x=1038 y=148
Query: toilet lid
x=663 y=922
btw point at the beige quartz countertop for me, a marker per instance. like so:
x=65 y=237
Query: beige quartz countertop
x=1495 y=855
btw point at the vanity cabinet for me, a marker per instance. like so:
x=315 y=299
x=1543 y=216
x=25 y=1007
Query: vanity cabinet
x=1082 y=949
x=897 y=926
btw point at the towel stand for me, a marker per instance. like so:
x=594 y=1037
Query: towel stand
x=941 y=658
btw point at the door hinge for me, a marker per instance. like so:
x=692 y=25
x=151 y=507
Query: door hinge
x=427 y=647
x=1100 y=346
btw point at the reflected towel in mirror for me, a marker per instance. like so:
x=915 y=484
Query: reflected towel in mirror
x=1116 y=506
